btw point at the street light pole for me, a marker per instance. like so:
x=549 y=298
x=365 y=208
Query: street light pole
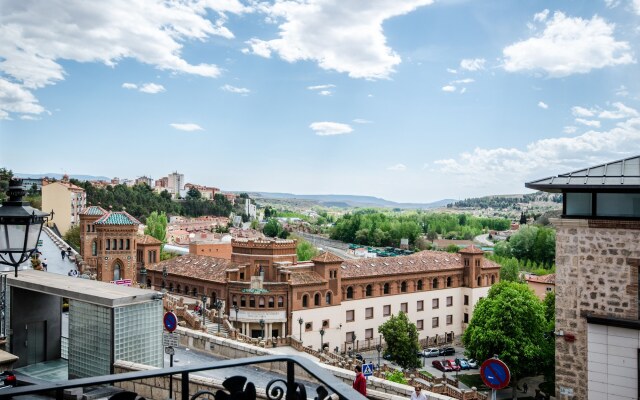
x=353 y=340
x=262 y=328
x=379 y=349
x=204 y=307
x=218 y=305
x=236 y=309
x=300 y=322
x=322 y=340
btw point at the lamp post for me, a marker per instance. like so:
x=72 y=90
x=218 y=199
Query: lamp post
x=20 y=227
x=300 y=322
x=262 y=328
x=218 y=305
x=322 y=340
x=143 y=276
x=236 y=309
x=165 y=273
x=204 y=308
x=379 y=349
x=353 y=340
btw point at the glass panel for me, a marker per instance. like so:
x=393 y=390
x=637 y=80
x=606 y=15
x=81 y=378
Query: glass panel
x=618 y=205
x=12 y=237
x=34 y=233
x=578 y=203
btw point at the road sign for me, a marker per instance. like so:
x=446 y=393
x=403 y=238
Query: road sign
x=39 y=242
x=170 y=321
x=495 y=374
x=169 y=339
x=122 y=282
x=367 y=369
x=169 y=350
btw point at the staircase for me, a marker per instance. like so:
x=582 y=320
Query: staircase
x=212 y=327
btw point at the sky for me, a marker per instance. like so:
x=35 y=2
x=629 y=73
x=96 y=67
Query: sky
x=412 y=101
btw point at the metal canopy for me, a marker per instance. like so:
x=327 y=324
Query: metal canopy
x=617 y=176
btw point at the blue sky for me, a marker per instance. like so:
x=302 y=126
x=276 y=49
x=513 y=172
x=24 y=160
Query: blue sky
x=411 y=100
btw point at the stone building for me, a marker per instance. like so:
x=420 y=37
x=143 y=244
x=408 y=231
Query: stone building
x=597 y=259
x=66 y=200
x=264 y=282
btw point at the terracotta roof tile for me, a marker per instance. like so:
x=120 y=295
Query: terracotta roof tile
x=148 y=239
x=548 y=279
x=471 y=250
x=327 y=257
x=204 y=268
x=306 y=278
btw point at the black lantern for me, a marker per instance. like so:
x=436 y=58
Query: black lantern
x=20 y=227
x=262 y=327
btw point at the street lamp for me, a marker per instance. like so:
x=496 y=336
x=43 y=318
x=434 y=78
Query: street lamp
x=353 y=340
x=300 y=322
x=204 y=307
x=143 y=276
x=165 y=273
x=322 y=340
x=262 y=327
x=218 y=305
x=379 y=349
x=236 y=309
x=20 y=227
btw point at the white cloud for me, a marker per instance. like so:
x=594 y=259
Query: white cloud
x=28 y=118
x=16 y=99
x=129 y=86
x=636 y=6
x=397 y=167
x=578 y=111
x=569 y=130
x=463 y=90
x=330 y=128
x=568 y=46
x=346 y=37
x=622 y=90
x=612 y=3
x=620 y=111
x=233 y=89
x=152 y=88
x=449 y=88
x=543 y=105
x=473 y=64
x=362 y=121
x=325 y=93
x=189 y=127
x=452 y=71
x=588 y=122
x=541 y=16
x=321 y=87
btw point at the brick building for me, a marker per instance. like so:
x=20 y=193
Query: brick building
x=342 y=298
x=597 y=259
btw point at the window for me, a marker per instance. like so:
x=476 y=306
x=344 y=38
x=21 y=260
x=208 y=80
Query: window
x=252 y=302
x=88 y=228
x=114 y=244
x=325 y=323
x=316 y=299
x=305 y=301
x=466 y=300
x=121 y=244
x=434 y=284
x=419 y=285
x=466 y=318
x=420 y=324
x=549 y=289
x=350 y=315
x=116 y=271
x=385 y=288
x=449 y=319
x=435 y=322
x=477 y=263
x=420 y=305
x=349 y=292
x=404 y=307
x=449 y=301
x=108 y=244
x=272 y=302
x=466 y=262
x=308 y=326
x=234 y=300
x=186 y=290
x=479 y=281
x=241 y=276
x=625 y=205
x=403 y=287
x=368 y=333
x=449 y=281
x=349 y=337
x=243 y=301
x=368 y=312
x=194 y=292
x=328 y=298
x=128 y=244
x=435 y=303
x=94 y=248
x=493 y=279
x=280 y=302
x=368 y=291
x=386 y=310
x=578 y=203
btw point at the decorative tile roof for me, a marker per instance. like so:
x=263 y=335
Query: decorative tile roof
x=204 y=268
x=327 y=257
x=424 y=261
x=621 y=174
x=548 y=279
x=299 y=278
x=117 y=218
x=94 y=210
x=148 y=239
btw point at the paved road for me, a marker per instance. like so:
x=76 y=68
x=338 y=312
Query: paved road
x=484 y=240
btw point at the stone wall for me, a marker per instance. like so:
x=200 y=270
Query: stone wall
x=597 y=273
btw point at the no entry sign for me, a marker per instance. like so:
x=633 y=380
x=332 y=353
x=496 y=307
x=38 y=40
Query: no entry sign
x=495 y=374
x=170 y=321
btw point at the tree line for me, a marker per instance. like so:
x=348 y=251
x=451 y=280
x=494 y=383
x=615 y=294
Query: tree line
x=505 y=202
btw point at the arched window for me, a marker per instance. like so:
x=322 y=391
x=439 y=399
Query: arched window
x=328 y=298
x=243 y=301
x=368 y=291
x=435 y=283
x=117 y=268
x=305 y=301
x=316 y=299
x=186 y=290
x=149 y=283
x=162 y=285
x=419 y=284
x=280 y=301
x=349 y=292
x=493 y=279
x=234 y=300
x=385 y=288
x=252 y=302
x=449 y=281
x=479 y=281
x=94 y=248
x=272 y=302
x=171 y=287
x=179 y=289
x=403 y=286
x=261 y=302
x=194 y=292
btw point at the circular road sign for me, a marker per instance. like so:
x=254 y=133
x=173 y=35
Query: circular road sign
x=495 y=374
x=170 y=321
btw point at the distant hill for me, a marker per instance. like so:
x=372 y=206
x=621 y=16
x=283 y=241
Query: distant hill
x=59 y=176
x=345 y=200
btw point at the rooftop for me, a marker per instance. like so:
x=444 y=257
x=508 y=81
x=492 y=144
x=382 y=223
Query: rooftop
x=94 y=210
x=204 y=268
x=327 y=257
x=548 y=279
x=117 y=218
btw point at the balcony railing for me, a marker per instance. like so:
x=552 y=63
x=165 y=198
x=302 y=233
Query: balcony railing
x=236 y=387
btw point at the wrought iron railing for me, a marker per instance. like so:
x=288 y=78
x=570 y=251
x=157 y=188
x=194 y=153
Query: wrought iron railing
x=236 y=387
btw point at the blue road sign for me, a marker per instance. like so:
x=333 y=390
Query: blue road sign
x=367 y=369
x=495 y=374
x=170 y=321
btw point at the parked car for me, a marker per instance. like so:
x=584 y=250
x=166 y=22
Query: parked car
x=462 y=363
x=472 y=363
x=447 y=351
x=437 y=364
x=8 y=380
x=431 y=352
x=452 y=365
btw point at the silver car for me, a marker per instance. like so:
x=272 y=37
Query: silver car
x=431 y=352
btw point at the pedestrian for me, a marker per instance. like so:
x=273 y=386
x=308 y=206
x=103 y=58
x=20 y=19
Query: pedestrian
x=525 y=387
x=360 y=383
x=418 y=395
x=63 y=253
x=69 y=251
x=44 y=263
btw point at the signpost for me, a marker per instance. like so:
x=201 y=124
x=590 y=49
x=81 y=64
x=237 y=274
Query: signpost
x=495 y=374
x=367 y=370
x=169 y=340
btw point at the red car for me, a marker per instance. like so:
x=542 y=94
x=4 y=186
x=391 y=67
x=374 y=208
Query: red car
x=452 y=365
x=444 y=367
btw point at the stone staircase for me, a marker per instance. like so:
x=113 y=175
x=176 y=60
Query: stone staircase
x=212 y=327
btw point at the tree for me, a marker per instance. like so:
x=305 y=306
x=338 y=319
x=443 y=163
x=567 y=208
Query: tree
x=272 y=228
x=452 y=248
x=194 y=194
x=432 y=235
x=511 y=323
x=73 y=237
x=157 y=227
x=397 y=377
x=305 y=250
x=510 y=270
x=401 y=336
x=523 y=219
x=549 y=348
